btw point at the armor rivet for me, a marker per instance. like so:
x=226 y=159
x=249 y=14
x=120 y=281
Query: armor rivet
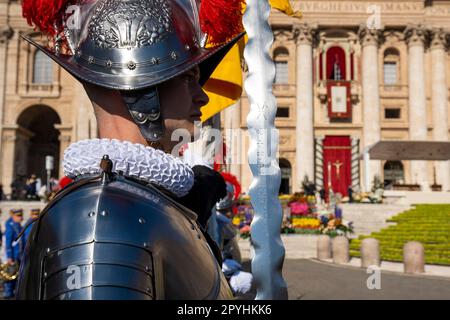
x=91 y=59
x=147 y=268
x=45 y=274
x=187 y=47
x=174 y=55
x=109 y=63
x=155 y=61
x=131 y=65
x=145 y=245
x=104 y=213
x=141 y=220
x=79 y=53
x=91 y=214
x=48 y=250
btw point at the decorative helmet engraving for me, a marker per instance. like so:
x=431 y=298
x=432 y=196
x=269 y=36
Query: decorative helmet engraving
x=118 y=24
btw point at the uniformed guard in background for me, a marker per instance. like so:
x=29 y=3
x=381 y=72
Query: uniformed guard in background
x=34 y=214
x=13 y=248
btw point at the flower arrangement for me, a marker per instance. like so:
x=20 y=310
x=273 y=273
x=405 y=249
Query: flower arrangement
x=245 y=232
x=301 y=215
x=306 y=223
x=333 y=225
x=299 y=208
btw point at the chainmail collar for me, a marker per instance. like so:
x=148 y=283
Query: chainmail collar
x=134 y=160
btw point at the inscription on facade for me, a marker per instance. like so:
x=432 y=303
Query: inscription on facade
x=360 y=7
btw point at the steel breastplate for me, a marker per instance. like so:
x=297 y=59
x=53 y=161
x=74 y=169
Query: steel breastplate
x=118 y=239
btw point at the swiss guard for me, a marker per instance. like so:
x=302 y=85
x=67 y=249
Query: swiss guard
x=13 y=248
x=34 y=215
x=131 y=224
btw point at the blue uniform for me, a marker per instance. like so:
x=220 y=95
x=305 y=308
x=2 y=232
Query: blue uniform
x=13 y=250
x=27 y=230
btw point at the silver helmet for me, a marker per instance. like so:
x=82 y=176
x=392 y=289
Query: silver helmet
x=133 y=45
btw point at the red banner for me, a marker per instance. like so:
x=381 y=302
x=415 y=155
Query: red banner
x=339 y=99
x=337 y=162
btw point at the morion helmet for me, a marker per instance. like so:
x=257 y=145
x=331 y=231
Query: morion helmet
x=134 y=45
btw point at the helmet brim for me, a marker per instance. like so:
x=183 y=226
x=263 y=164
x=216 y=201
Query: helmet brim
x=206 y=59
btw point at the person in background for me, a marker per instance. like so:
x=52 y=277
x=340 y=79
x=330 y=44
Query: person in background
x=34 y=215
x=31 y=188
x=11 y=213
x=13 y=248
x=17 y=188
x=54 y=184
x=338 y=211
x=38 y=184
x=2 y=194
x=350 y=194
x=322 y=195
x=1 y=232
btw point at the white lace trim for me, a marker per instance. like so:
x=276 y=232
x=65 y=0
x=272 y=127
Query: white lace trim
x=135 y=160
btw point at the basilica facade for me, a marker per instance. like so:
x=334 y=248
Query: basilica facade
x=349 y=73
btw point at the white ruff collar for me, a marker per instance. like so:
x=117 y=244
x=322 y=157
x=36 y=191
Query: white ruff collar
x=135 y=160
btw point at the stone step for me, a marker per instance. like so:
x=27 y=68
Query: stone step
x=371 y=217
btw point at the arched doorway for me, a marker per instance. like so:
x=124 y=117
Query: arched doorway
x=286 y=174
x=37 y=138
x=393 y=173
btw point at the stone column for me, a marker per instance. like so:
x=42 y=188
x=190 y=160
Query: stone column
x=416 y=38
x=440 y=101
x=7 y=156
x=5 y=34
x=305 y=36
x=65 y=138
x=84 y=110
x=370 y=39
x=233 y=138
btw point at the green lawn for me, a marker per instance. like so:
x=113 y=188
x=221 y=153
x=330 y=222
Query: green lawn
x=427 y=223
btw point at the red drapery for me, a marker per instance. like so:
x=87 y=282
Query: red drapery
x=336 y=54
x=337 y=158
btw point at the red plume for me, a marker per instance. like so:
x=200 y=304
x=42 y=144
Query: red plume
x=46 y=15
x=64 y=181
x=228 y=177
x=221 y=19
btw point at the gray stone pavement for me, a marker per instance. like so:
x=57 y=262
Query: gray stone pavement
x=311 y=280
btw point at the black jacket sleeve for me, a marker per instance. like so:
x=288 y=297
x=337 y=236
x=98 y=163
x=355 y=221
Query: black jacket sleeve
x=209 y=187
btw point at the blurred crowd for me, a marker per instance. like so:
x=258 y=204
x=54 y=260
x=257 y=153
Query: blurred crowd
x=32 y=189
